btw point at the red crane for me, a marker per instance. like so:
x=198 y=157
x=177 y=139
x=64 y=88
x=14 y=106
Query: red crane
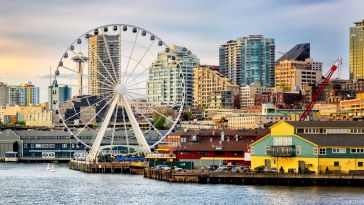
x=320 y=90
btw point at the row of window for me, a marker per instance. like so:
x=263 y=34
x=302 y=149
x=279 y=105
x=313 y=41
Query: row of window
x=322 y=151
x=47 y=146
x=329 y=131
x=337 y=164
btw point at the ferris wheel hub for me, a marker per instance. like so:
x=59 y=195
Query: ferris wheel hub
x=120 y=89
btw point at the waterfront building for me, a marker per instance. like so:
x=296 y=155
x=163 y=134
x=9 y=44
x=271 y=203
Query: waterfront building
x=311 y=146
x=99 y=59
x=248 y=92
x=166 y=77
x=299 y=52
x=356 y=56
x=326 y=110
x=355 y=87
x=4 y=94
x=24 y=94
x=290 y=75
x=50 y=145
x=213 y=147
x=211 y=89
x=248 y=60
x=61 y=94
x=253 y=121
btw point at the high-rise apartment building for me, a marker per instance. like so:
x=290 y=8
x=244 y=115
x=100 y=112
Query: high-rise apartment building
x=248 y=60
x=290 y=75
x=356 y=58
x=209 y=85
x=165 y=82
x=60 y=94
x=4 y=94
x=24 y=94
x=99 y=48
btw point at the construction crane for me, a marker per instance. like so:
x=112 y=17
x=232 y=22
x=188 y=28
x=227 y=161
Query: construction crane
x=317 y=94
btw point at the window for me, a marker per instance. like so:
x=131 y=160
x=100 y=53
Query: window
x=38 y=145
x=314 y=151
x=338 y=150
x=51 y=146
x=357 y=150
x=360 y=164
x=322 y=151
x=252 y=150
x=298 y=150
x=32 y=146
x=202 y=153
x=25 y=146
x=266 y=150
x=64 y=145
x=336 y=164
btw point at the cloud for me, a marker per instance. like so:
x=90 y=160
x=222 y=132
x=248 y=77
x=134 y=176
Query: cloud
x=37 y=34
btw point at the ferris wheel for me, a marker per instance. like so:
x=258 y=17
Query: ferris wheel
x=107 y=74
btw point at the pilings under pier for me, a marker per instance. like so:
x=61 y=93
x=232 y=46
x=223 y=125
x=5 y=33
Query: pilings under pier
x=195 y=176
x=104 y=167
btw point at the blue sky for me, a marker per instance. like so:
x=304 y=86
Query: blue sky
x=34 y=34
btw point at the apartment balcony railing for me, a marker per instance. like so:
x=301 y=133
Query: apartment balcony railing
x=282 y=151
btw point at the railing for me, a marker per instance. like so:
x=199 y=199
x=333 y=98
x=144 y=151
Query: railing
x=282 y=151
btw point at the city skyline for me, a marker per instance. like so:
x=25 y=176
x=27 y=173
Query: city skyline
x=35 y=37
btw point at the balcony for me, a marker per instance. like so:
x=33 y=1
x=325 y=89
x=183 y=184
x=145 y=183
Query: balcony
x=282 y=151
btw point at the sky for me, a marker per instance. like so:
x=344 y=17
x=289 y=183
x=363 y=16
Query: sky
x=34 y=34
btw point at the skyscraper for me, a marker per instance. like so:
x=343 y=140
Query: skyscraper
x=356 y=60
x=248 y=60
x=24 y=94
x=99 y=64
x=299 y=52
x=165 y=84
x=4 y=94
x=62 y=94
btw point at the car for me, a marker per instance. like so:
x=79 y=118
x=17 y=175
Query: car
x=221 y=169
x=178 y=169
x=245 y=169
x=235 y=169
x=213 y=167
x=272 y=170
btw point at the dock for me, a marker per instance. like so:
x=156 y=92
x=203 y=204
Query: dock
x=104 y=167
x=195 y=176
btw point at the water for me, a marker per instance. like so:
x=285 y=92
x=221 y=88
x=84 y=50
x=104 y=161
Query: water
x=33 y=184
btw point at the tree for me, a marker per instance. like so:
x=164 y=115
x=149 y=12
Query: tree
x=187 y=116
x=160 y=122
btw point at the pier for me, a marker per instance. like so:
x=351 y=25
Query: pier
x=195 y=176
x=105 y=167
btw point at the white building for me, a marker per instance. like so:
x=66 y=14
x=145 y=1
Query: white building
x=247 y=93
x=165 y=82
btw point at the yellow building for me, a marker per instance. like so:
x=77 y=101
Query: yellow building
x=290 y=75
x=351 y=109
x=254 y=121
x=311 y=146
x=356 y=65
x=209 y=84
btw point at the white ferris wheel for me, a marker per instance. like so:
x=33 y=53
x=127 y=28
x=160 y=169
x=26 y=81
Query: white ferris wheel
x=108 y=72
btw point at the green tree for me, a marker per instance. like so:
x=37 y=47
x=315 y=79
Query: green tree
x=160 y=123
x=187 y=116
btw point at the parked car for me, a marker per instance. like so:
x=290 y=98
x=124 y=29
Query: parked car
x=272 y=170
x=178 y=169
x=235 y=169
x=221 y=169
x=245 y=169
x=213 y=167
x=163 y=167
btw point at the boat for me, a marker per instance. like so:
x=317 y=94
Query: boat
x=52 y=169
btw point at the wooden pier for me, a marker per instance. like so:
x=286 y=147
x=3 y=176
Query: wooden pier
x=105 y=167
x=195 y=176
